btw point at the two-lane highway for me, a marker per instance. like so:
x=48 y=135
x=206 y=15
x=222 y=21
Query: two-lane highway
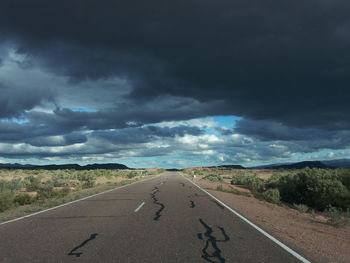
x=165 y=219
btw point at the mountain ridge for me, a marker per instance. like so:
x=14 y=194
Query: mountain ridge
x=331 y=164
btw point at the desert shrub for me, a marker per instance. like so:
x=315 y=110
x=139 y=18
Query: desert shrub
x=344 y=176
x=46 y=191
x=88 y=183
x=199 y=172
x=252 y=182
x=60 y=182
x=239 y=179
x=6 y=200
x=64 y=175
x=271 y=195
x=301 y=207
x=336 y=217
x=66 y=190
x=3 y=185
x=219 y=188
x=33 y=179
x=23 y=199
x=32 y=183
x=315 y=188
x=131 y=175
x=87 y=178
x=33 y=187
x=12 y=185
x=213 y=178
x=273 y=181
x=16 y=184
x=188 y=172
x=256 y=184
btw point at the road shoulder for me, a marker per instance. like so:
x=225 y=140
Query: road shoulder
x=308 y=235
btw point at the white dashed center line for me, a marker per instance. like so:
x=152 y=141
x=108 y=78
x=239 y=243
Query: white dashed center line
x=139 y=207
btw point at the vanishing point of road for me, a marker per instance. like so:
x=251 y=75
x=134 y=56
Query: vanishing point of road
x=164 y=219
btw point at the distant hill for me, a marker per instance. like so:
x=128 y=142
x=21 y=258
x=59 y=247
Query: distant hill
x=340 y=163
x=229 y=166
x=107 y=166
x=301 y=165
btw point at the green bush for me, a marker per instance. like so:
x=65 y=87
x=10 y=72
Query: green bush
x=6 y=200
x=33 y=179
x=344 y=177
x=271 y=195
x=336 y=217
x=131 y=175
x=3 y=185
x=33 y=187
x=12 y=185
x=273 y=181
x=256 y=184
x=60 y=182
x=15 y=184
x=213 y=178
x=301 y=208
x=252 y=182
x=46 y=191
x=87 y=178
x=66 y=190
x=219 y=188
x=23 y=199
x=315 y=188
x=88 y=183
x=239 y=179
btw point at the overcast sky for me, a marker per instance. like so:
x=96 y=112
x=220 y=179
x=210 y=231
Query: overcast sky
x=174 y=83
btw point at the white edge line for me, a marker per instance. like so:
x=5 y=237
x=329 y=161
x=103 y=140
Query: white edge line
x=84 y=198
x=291 y=251
x=139 y=207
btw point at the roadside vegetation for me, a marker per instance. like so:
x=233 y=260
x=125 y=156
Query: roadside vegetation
x=213 y=178
x=325 y=191
x=26 y=191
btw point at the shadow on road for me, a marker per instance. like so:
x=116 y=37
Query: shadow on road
x=211 y=251
x=73 y=252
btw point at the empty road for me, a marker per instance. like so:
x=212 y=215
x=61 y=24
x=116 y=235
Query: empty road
x=165 y=219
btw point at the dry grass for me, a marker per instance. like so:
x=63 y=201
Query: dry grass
x=50 y=188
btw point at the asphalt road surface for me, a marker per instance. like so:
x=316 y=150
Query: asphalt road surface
x=165 y=219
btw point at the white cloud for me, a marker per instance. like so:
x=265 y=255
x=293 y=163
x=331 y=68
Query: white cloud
x=199 y=122
x=330 y=155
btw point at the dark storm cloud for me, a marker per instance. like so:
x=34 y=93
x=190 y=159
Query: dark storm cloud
x=14 y=100
x=11 y=132
x=281 y=60
x=281 y=65
x=145 y=134
x=271 y=130
x=122 y=115
x=296 y=139
x=65 y=140
x=64 y=121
